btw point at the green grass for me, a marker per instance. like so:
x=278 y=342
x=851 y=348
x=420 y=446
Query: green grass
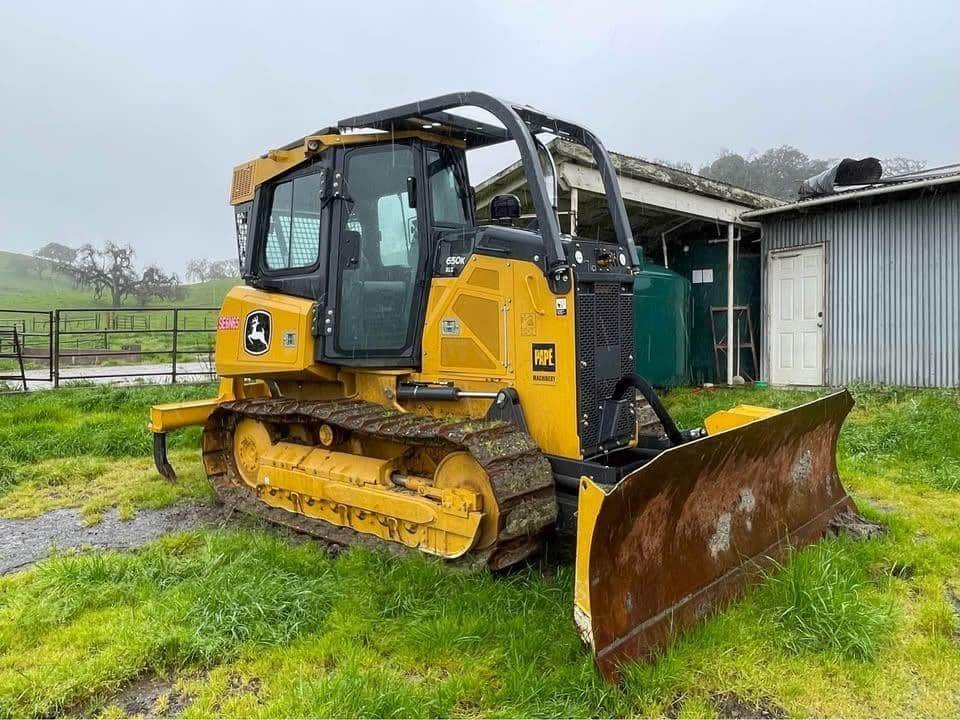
x=23 y=287
x=911 y=434
x=98 y=420
x=96 y=484
x=823 y=599
x=250 y=624
x=914 y=432
x=90 y=448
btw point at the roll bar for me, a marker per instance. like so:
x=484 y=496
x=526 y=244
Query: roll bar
x=520 y=122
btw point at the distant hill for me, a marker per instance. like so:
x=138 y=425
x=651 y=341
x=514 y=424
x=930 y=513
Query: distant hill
x=209 y=293
x=23 y=287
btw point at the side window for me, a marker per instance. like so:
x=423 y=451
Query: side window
x=446 y=191
x=397 y=223
x=293 y=235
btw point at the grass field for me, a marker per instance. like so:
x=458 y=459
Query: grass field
x=23 y=288
x=245 y=622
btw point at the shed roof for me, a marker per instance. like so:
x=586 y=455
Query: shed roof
x=913 y=182
x=629 y=166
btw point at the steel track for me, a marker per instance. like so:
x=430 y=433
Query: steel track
x=520 y=475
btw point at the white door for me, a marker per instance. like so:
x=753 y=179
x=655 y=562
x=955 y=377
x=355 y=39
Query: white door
x=796 y=316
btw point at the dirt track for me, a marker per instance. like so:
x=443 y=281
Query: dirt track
x=24 y=542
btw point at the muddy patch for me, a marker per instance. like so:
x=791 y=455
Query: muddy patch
x=237 y=685
x=953 y=598
x=151 y=697
x=731 y=705
x=854 y=525
x=674 y=707
x=148 y=695
x=24 y=542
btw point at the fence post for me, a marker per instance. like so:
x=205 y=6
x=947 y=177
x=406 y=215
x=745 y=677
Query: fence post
x=55 y=360
x=18 y=349
x=49 y=345
x=173 y=373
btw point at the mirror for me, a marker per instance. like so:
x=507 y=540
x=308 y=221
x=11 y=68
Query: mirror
x=505 y=208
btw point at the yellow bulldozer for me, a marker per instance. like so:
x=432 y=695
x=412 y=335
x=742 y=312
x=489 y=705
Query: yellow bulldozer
x=393 y=371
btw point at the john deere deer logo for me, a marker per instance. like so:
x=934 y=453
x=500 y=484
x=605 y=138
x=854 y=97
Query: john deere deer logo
x=256 y=336
x=544 y=357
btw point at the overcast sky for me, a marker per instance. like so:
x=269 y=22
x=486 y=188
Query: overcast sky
x=122 y=121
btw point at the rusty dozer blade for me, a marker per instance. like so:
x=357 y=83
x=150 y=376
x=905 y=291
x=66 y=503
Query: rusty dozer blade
x=688 y=531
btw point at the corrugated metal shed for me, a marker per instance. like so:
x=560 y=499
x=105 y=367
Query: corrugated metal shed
x=892 y=283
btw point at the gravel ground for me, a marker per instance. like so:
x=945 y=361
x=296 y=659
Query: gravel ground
x=23 y=542
x=100 y=375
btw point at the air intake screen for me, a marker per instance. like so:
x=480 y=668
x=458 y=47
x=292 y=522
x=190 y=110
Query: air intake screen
x=242 y=188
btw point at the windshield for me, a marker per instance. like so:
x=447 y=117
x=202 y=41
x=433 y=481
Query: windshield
x=448 y=195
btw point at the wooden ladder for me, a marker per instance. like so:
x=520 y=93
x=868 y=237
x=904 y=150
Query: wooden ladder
x=720 y=345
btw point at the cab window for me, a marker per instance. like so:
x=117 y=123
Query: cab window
x=293 y=233
x=447 y=190
x=397 y=223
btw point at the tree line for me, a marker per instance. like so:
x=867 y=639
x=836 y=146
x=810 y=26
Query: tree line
x=202 y=269
x=109 y=272
x=779 y=171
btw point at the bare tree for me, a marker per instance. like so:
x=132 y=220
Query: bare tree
x=223 y=269
x=201 y=269
x=680 y=165
x=198 y=269
x=155 y=283
x=109 y=271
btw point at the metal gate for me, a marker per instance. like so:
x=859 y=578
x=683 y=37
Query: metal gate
x=26 y=340
x=41 y=347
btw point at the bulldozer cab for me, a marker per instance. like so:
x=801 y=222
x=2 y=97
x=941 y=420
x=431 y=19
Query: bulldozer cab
x=389 y=196
x=376 y=209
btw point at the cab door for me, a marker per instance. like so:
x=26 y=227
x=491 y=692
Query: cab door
x=375 y=313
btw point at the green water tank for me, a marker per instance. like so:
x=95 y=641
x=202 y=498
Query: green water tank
x=661 y=319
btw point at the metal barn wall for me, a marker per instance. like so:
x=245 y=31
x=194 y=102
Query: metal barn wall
x=891 y=287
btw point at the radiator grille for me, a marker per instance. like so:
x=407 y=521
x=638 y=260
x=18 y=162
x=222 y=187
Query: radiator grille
x=604 y=318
